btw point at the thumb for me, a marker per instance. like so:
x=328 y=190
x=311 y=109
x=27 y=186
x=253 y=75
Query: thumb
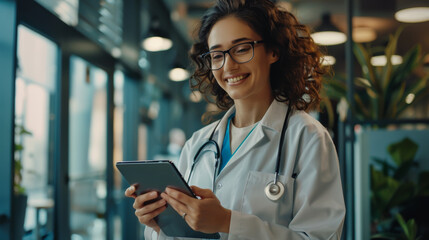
x=203 y=193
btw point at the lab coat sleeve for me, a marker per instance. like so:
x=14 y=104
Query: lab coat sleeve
x=318 y=211
x=185 y=158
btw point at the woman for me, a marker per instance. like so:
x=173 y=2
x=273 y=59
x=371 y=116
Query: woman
x=260 y=64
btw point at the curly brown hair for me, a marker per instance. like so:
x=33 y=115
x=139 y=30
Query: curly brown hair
x=296 y=76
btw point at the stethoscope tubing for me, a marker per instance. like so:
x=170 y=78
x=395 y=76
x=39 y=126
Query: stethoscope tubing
x=218 y=157
x=282 y=138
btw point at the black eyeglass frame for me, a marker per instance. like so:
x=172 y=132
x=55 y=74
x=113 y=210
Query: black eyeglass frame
x=202 y=56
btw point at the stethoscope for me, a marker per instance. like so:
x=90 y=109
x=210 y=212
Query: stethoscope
x=275 y=189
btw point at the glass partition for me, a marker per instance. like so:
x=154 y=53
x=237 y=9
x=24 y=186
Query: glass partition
x=87 y=150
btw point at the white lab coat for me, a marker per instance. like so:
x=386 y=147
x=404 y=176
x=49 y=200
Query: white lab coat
x=312 y=206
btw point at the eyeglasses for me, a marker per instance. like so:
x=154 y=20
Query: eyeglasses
x=240 y=53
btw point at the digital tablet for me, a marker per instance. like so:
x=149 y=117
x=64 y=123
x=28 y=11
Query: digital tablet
x=156 y=175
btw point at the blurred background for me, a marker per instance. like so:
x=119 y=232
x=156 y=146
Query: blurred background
x=88 y=83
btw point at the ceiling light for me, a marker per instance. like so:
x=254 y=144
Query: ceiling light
x=364 y=34
x=328 y=60
x=156 y=44
x=327 y=34
x=157 y=40
x=178 y=74
x=412 y=11
x=380 y=61
x=413 y=15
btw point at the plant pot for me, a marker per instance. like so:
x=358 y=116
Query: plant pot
x=19 y=208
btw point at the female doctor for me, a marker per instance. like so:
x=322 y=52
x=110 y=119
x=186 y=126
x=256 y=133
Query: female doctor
x=277 y=176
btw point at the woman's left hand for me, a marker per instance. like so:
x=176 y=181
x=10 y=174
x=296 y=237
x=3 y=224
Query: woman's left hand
x=204 y=215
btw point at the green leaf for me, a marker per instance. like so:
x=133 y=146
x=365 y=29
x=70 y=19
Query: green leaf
x=387 y=168
x=420 y=91
x=418 y=86
x=409 y=62
x=25 y=132
x=403 y=170
x=335 y=89
x=390 y=51
x=402 y=223
x=363 y=82
x=18 y=147
x=409 y=228
x=18 y=166
x=384 y=189
x=360 y=108
x=18 y=189
x=378 y=179
x=402 y=193
x=395 y=98
x=412 y=229
x=403 y=151
x=364 y=59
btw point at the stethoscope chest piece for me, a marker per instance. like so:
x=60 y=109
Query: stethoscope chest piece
x=274 y=191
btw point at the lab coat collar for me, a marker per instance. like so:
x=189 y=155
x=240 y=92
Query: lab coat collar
x=275 y=115
x=272 y=120
x=220 y=130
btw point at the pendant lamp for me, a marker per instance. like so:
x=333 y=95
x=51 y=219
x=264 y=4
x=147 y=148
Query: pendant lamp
x=412 y=11
x=327 y=34
x=157 y=40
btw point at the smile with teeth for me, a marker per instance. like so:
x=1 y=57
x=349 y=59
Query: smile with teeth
x=236 y=79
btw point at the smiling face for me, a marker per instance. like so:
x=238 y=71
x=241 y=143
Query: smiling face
x=248 y=81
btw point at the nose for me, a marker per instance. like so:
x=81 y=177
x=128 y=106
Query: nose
x=229 y=63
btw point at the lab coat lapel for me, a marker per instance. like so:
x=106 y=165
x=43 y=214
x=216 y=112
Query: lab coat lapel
x=258 y=135
x=220 y=131
x=269 y=126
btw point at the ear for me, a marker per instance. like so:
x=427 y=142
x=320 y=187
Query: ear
x=274 y=56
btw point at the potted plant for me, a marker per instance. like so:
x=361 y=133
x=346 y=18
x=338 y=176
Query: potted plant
x=382 y=92
x=20 y=197
x=394 y=194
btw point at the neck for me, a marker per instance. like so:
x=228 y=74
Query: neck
x=250 y=112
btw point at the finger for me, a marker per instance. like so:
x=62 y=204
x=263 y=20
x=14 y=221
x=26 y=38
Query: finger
x=146 y=218
x=140 y=200
x=179 y=207
x=179 y=196
x=150 y=207
x=130 y=192
x=203 y=193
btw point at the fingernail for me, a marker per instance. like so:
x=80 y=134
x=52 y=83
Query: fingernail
x=167 y=190
x=153 y=194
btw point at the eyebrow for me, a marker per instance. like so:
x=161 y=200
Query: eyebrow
x=233 y=42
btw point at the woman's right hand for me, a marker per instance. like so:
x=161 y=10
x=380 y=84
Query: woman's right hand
x=146 y=212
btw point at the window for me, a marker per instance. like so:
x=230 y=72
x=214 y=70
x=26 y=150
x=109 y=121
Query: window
x=35 y=91
x=87 y=150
